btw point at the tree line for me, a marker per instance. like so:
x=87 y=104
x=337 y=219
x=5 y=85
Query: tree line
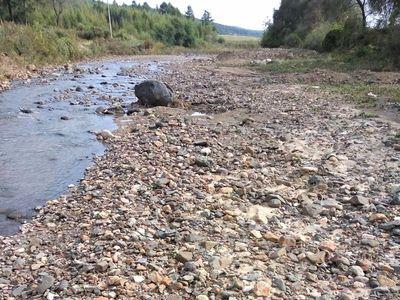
x=89 y=18
x=366 y=28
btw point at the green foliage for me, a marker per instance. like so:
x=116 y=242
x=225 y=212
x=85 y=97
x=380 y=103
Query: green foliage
x=358 y=93
x=293 y=40
x=37 y=44
x=339 y=25
x=332 y=40
x=270 y=38
x=89 y=19
x=315 y=39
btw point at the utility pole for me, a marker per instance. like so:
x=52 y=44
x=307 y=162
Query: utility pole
x=109 y=18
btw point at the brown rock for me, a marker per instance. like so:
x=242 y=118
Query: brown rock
x=328 y=246
x=262 y=289
x=385 y=281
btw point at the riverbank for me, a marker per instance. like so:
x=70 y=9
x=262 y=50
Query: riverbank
x=264 y=187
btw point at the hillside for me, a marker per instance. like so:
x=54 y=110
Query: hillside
x=234 y=30
x=42 y=33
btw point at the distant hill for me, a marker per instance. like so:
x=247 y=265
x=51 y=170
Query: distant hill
x=233 y=30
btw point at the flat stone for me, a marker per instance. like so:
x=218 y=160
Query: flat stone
x=385 y=281
x=359 y=201
x=18 y=291
x=46 y=282
x=184 y=256
x=256 y=233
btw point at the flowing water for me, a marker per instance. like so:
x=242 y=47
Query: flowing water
x=40 y=153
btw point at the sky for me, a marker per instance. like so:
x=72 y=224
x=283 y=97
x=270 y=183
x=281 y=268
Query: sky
x=250 y=14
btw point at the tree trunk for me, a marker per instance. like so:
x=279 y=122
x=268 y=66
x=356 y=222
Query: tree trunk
x=58 y=8
x=10 y=10
x=362 y=4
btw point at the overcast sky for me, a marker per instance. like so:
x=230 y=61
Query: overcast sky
x=250 y=14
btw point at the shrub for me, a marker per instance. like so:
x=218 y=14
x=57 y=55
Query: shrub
x=91 y=33
x=270 y=39
x=333 y=40
x=293 y=40
x=314 y=40
x=221 y=40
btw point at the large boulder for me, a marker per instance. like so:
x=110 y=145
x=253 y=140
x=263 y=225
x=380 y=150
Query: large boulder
x=153 y=93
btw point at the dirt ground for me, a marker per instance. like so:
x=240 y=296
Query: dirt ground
x=260 y=186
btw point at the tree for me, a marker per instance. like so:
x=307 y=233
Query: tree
x=58 y=6
x=206 y=18
x=9 y=9
x=146 y=6
x=189 y=13
x=163 y=8
x=363 y=7
x=388 y=11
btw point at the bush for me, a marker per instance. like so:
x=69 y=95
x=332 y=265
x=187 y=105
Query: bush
x=333 y=40
x=92 y=33
x=293 y=40
x=221 y=40
x=38 y=45
x=270 y=39
x=314 y=40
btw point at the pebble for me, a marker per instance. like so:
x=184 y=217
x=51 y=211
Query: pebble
x=357 y=271
x=211 y=207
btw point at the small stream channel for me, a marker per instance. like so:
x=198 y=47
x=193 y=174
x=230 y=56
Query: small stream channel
x=40 y=153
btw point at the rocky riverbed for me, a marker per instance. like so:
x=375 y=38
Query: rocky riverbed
x=251 y=189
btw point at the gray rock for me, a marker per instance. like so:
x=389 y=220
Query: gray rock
x=274 y=203
x=373 y=283
x=25 y=110
x=202 y=162
x=15 y=215
x=359 y=201
x=279 y=283
x=18 y=291
x=396 y=232
x=4 y=281
x=311 y=209
x=201 y=143
x=63 y=285
x=357 y=271
x=396 y=196
x=46 y=282
x=153 y=93
x=101 y=110
x=390 y=225
x=116 y=109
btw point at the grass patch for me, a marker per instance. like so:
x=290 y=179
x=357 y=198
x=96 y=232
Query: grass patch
x=239 y=41
x=367 y=95
x=304 y=65
x=335 y=61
